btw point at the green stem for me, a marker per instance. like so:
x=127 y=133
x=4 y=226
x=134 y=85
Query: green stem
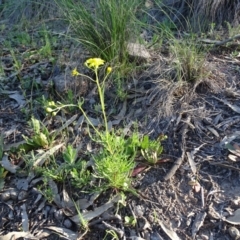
x=85 y=115
x=101 y=96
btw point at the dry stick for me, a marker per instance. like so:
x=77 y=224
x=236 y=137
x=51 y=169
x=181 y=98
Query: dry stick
x=219 y=43
x=179 y=161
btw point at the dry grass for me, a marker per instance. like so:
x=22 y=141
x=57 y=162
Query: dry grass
x=216 y=11
x=176 y=96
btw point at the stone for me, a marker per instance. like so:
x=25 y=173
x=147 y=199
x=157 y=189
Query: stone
x=138 y=51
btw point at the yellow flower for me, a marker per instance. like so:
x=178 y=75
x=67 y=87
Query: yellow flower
x=109 y=69
x=75 y=72
x=94 y=62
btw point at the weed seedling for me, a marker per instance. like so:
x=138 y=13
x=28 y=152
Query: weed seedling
x=151 y=149
x=41 y=136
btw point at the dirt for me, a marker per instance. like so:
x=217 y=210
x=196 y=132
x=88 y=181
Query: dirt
x=193 y=203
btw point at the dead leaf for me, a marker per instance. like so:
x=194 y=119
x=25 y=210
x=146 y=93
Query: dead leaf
x=229 y=139
x=25 y=223
x=235 y=108
x=88 y=216
x=233 y=149
x=171 y=234
x=6 y=164
x=66 y=201
x=214 y=132
x=191 y=162
x=122 y=113
x=66 y=124
x=43 y=157
x=17 y=235
x=19 y=98
x=85 y=203
x=235 y=219
x=93 y=121
x=54 y=189
x=233 y=158
x=64 y=232
x=200 y=217
x=138 y=169
x=7 y=147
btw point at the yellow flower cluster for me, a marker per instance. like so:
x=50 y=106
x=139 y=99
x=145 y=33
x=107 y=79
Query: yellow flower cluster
x=91 y=63
x=94 y=63
x=75 y=72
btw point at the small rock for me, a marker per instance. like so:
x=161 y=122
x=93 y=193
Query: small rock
x=67 y=223
x=14 y=194
x=22 y=195
x=138 y=211
x=138 y=51
x=5 y=196
x=59 y=215
x=64 y=82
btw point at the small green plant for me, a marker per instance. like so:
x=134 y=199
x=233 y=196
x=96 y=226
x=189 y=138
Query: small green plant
x=16 y=63
x=41 y=136
x=80 y=176
x=232 y=31
x=151 y=149
x=111 y=233
x=23 y=38
x=46 y=191
x=115 y=170
x=46 y=50
x=116 y=159
x=130 y=221
x=83 y=222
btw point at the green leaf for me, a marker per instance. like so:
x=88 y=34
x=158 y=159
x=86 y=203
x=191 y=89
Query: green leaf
x=70 y=154
x=36 y=125
x=145 y=142
x=40 y=140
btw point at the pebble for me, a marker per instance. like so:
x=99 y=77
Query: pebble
x=5 y=196
x=22 y=195
x=59 y=215
x=67 y=223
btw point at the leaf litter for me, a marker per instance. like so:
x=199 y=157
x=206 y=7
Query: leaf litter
x=164 y=188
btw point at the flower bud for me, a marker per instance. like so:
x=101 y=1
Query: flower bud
x=48 y=109
x=109 y=69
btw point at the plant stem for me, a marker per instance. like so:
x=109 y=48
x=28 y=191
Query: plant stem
x=101 y=95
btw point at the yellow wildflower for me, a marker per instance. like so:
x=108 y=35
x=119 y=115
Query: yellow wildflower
x=94 y=62
x=75 y=72
x=109 y=69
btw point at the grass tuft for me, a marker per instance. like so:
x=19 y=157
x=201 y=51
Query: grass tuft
x=104 y=28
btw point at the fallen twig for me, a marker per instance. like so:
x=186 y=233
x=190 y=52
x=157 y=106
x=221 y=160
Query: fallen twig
x=219 y=43
x=179 y=161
